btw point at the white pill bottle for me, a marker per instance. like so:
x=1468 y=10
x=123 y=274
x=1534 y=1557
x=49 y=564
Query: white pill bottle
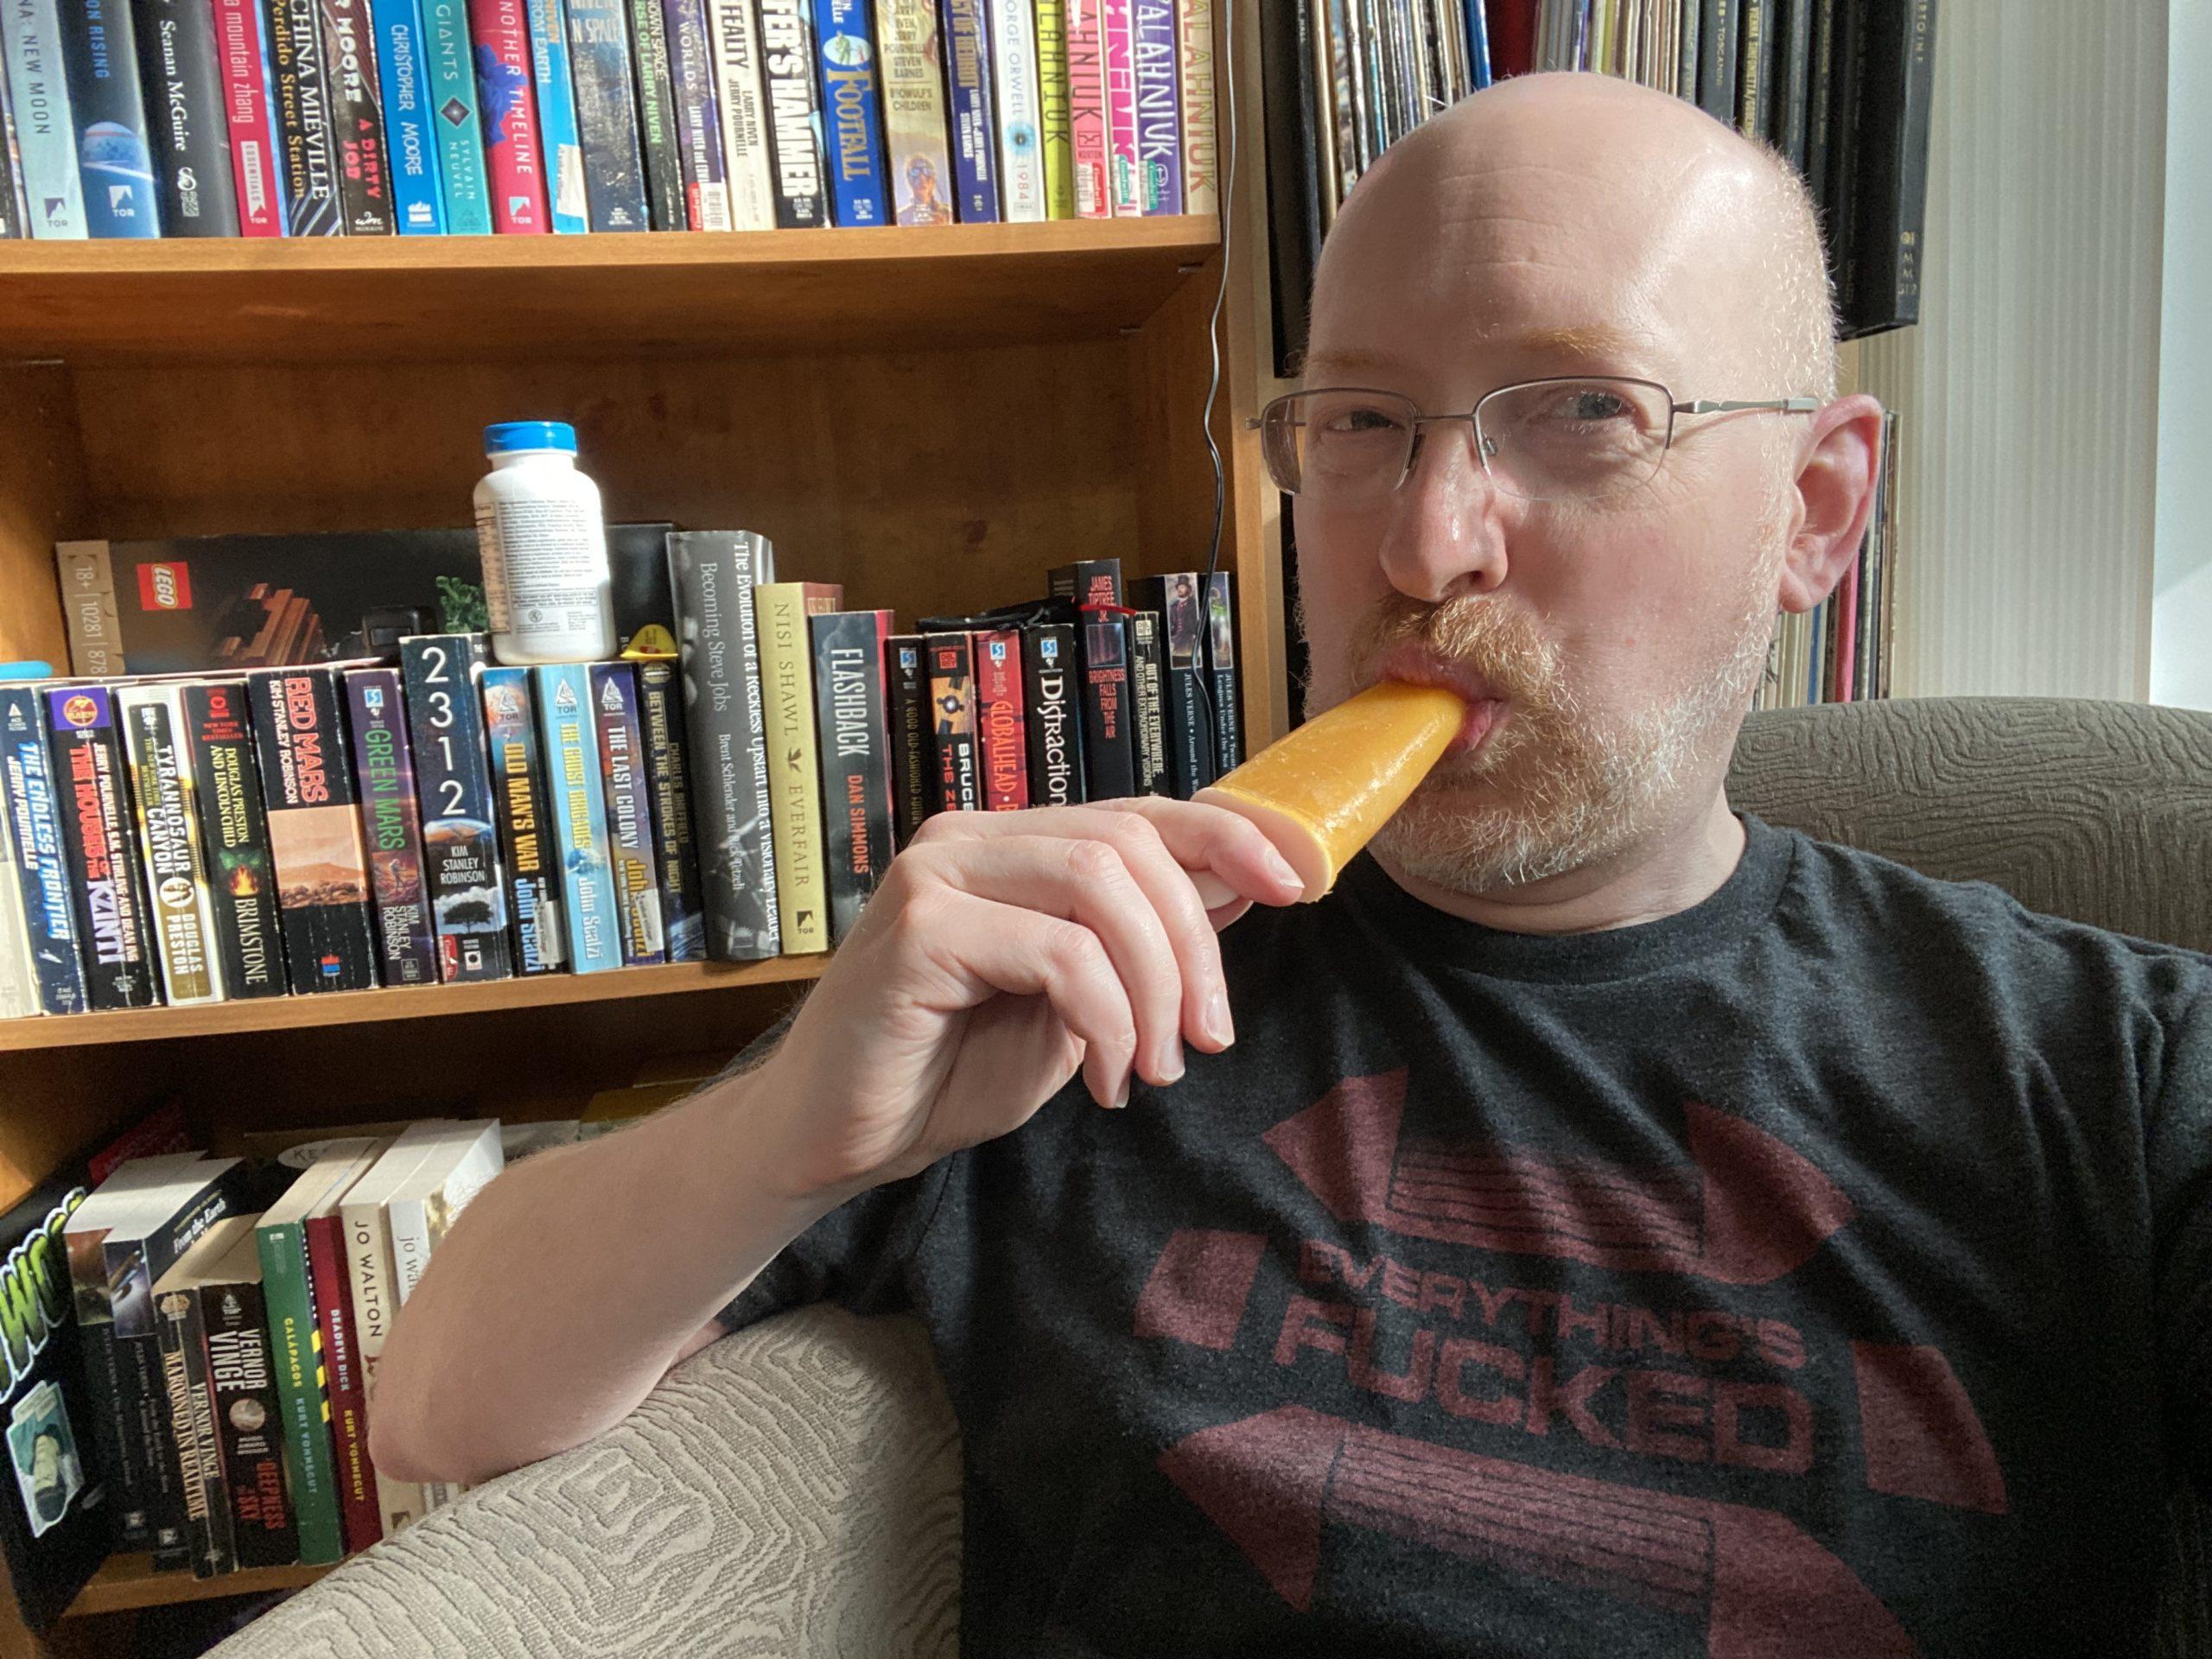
x=542 y=536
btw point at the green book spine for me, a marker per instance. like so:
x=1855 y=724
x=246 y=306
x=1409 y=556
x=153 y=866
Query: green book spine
x=295 y=1355
x=1059 y=132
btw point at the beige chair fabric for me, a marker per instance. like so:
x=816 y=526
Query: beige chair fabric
x=795 y=1489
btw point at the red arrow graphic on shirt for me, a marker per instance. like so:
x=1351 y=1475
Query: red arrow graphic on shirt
x=1759 y=1587
x=1745 y=1210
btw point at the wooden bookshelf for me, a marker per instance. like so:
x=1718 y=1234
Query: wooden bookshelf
x=128 y=1582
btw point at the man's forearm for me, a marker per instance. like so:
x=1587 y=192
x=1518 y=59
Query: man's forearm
x=571 y=1283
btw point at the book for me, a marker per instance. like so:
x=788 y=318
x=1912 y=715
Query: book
x=19 y=994
x=1195 y=63
x=46 y=131
x=747 y=162
x=854 y=737
x=668 y=782
x=41 y=866
x=360 y=1515
x=506 y=96
x=577 y=799
x=1109 y=746
x=234 y=837
x=1223 y=689
x=713 y=573
x=1147 y=721
x=780 y=613
x=249 y=115
x=1158 y=114
x=460 y=850
x=1055 y=133
x=189 y=134
x=450 y=68
x=606 y=115
x=1184 y=710
x=373 y=1291
x=107 y=100
x=914 y=126
x=179 y=906
x=1793 y=67
x=297 y=1345
x=314 y=833
x=1754 y=68
x=306 y=137
x=851 y=114
x=518 y=768
x=1001 y=739
x=1018 y=103
x=657 y=115
x=1720 y=32
x=15 y=206
x=210 y=1541
x=968 y=102
x=794 y=117
x=952 y=720
x=698 y=116
x=907 y=712
x=1124 y=167
x=391 y=827
x=91 y=782
x=357 y=117
x=1087 y=141
x=630 y=836
x=418 y=203
x=553 y=82
x=1890 y=123
x=1049 y=700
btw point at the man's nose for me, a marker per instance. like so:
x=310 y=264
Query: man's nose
x=1445 y=538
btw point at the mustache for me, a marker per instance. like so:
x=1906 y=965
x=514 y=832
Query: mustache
x=1485 y=635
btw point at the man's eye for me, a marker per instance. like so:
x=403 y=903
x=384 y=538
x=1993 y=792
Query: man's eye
x=1363 y=420
x=1594 y=405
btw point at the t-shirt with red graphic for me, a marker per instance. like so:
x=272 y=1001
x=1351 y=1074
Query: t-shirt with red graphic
x=1824 y=1270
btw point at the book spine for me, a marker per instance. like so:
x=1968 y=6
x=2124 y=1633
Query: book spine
x=1175 y=602
x=27 y=794
x=180 y=915
x=1117 y=31
x=1019 y=102
x=852 y=112
x=1001 y=746
x=31 y=57
x=234 y=838
x=578 y=800
x=668 y=781
x=914 y=112
x=89 y=775
x=656 y=135
x=1898 y=280
x=19 y=993
x=780 y=613
x=247 y=1419
x=115 y=159
x=952 y=702
x=1718 y=30
x=698 y=116
x=1820 y=111
x=1159 y=120
x=1755 y=58
x=375 y=1300
x=1056 y=136
x=191 y=156
x=357 y=117
x=1049 y=697
x=518 y=773
x=95 y=1315
x=712 y=576
x=630 y=841
x=15 y=206
x=734 y=40
x=418 y=203
x=794 y=118
x=1221 y=673
x=558 y=146
x=1088 y=145
x=303 y=1402
x=1793 y=54
x=968 y=84
x=855 y=740
x=312 y=203
x=461 y=851
x=315 y=838
x=906 y=706
x=513 y=153
x=391 y=825
x=194 y=1444
x=353 y=1479
x=606 y=115
x=250 y=117
x=1201 y=143
x=1147 y=721
x=412 y=1241
x=450 y=56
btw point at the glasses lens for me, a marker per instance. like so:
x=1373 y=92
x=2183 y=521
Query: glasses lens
x=1574 y=440
x=1339 y=444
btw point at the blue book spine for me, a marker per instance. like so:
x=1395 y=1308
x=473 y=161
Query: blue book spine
x=556 y=118
x=30 y=47
x=1159 y=124
x=35 y=824
x=606 y=115
x=525 y=838
x=450 y=78
x=974 y=140
x=852 y=112
x=577 y=800
x=115 y=161
x=1478 y=45
x=630 y=846
x=418 y=203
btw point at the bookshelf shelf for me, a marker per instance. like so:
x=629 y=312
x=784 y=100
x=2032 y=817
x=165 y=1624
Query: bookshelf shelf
x=125 y=1582
x=330 y=300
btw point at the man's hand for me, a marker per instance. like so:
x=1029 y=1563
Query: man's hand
x=1003 y=952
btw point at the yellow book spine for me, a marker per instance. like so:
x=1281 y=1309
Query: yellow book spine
x=1056 y=132
x=780 y=610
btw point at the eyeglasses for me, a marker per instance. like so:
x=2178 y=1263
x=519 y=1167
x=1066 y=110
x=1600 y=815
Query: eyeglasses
x=1568 y=438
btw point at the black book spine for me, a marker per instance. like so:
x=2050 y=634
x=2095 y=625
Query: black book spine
x=391 y=825
x=234 y=828
x=656 y=117
x=853 y=731
x=1048 y=689
x=1794 y=53
x=630 y=839
x=952 y=724
x=1844 y=142
x=302 y=90
x=1820 y=107
x=452 y=775
x=1148 y=719
x=315 y=838
x=906 y=700
x=1718 y=29
x=1177 y=601
x=116 y=156
x=660 y=711
x=357 y=117
x=184 y=97
x=193 y=1444
x=252 y=1427
x=90 y=780
x=1109 y=746
x=794 y=113
x=27 y=796
x=1224 y=682
x=606 y=115
x=534 y=895
x=1893 y=173
x=1754 y=68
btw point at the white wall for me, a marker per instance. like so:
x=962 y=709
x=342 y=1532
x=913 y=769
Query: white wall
x=2181 y=615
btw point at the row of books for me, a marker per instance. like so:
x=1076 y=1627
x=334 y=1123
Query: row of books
x=1840 y=651
x=1841 y=90
x=437 y=817
x=368 y=117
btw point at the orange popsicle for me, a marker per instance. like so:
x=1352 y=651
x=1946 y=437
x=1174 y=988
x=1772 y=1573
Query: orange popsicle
x=1321 y=793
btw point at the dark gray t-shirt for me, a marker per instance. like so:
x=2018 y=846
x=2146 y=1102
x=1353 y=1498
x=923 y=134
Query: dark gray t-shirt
x=1827 y=1269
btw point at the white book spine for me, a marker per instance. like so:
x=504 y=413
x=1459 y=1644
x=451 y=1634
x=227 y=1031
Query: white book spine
x=1201 y=146
x=411 y=1253
x=369 y=1274
x=736 y=44
x=1020 y=111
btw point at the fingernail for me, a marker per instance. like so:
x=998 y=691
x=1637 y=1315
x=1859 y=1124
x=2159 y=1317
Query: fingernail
x=1171 y=1070
x=1121 y=1096
x=1279 y=867
x=1219 y=1027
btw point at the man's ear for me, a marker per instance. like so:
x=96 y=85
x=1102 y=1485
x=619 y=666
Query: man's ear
x=1835 y=494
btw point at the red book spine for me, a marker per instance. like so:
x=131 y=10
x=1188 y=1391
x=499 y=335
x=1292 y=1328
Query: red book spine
x=1512 y=37
x=506 y=92
x=1846 y=637
x=246 y=115
x=1086 y=49
x=360 y=1516
x=998 y=730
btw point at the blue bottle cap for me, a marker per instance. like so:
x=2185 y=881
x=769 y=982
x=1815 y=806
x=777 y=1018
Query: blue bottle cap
x=510 y=435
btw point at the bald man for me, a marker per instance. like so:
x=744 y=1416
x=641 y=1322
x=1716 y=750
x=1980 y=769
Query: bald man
x=1607 y=1225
